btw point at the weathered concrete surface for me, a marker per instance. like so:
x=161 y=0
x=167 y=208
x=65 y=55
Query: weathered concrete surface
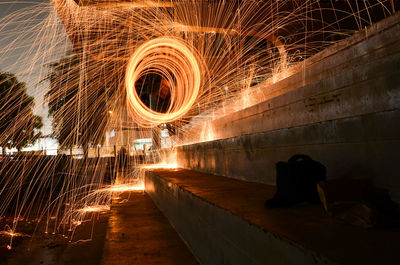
x=224 y=221
x=364 y=146
x=138 y=233
x=342 y=108
x=356 y=76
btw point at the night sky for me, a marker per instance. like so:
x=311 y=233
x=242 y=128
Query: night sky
x=10 y=61
x=7 y=62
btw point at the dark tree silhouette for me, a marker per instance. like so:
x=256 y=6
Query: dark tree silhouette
x=77 y=102
x=18 y=125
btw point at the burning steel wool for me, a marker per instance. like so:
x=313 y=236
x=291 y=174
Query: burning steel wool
x=178 y=65
x=117 y=81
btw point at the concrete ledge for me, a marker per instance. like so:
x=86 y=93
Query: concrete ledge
x=216 y=236
x=224 y=221
x=362 y=146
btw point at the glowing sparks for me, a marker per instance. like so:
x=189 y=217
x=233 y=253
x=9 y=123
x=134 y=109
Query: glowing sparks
x=178 y=64
x=7 y=233
x=105 y=192
x=207 y=133
x=76 y=222
x=213 y=57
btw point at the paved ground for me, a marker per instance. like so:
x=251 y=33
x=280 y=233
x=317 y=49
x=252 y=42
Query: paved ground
x=306 y=225
x=86 y=247
x=134 y=232
x=138 y=233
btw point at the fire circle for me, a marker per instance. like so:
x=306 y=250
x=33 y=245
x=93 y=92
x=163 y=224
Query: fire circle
x=178 y=65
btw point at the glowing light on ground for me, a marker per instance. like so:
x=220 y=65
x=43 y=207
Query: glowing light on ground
x=161 y=166
x=126 y=187
x=10 y=233
x=94 y=208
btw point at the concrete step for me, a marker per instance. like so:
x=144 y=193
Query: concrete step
x=224 y=221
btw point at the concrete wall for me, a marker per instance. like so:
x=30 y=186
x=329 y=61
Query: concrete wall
x=216 y=236
x=341 y=107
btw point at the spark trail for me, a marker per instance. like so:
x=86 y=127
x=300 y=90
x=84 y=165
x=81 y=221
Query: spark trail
x=144 y=68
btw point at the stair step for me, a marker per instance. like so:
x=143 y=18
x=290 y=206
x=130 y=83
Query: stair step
x=224 y=221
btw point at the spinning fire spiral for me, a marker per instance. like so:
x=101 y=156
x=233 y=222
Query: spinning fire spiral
x=180 y=68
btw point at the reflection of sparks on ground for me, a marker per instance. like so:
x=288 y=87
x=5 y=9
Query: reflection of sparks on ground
x=94 y=208
x=126 y=187
x=106 y=192
x=162 y=165
x=9 y=232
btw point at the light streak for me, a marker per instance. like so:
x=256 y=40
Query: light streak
x=216 y=57
x=172 y=59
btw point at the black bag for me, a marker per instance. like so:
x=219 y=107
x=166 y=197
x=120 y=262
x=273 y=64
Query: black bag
x=296 y=181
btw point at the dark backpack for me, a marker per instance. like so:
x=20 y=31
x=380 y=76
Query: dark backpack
x=296 y=181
